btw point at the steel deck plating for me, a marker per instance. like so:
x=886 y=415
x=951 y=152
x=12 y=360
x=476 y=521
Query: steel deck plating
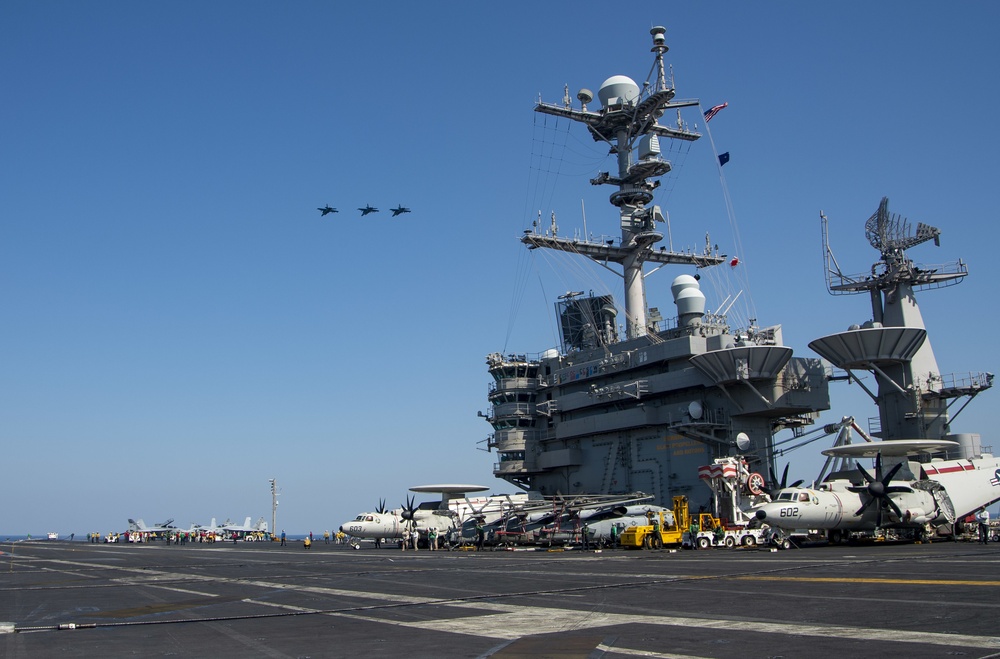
x=263 y=600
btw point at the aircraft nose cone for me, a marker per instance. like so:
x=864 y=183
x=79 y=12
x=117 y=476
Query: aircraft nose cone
x=761 y=514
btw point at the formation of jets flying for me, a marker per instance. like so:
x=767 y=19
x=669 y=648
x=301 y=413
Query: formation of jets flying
x=365 y=210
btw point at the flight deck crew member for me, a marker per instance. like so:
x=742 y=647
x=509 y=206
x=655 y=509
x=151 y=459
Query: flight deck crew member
x=984 y=526
x=693 y=532
x=282 y=537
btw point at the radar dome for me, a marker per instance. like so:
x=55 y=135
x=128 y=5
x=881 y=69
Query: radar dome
x=690 y=301
x=681 y=282
x=618 y=89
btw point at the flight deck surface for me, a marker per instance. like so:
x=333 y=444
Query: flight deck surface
x=263 y=600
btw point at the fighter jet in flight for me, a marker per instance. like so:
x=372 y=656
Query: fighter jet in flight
x=368 y=209
x=397 y=211
x=326 y=209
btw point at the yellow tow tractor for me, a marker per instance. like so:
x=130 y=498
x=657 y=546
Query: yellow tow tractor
x=664 y=528
x=670 y=528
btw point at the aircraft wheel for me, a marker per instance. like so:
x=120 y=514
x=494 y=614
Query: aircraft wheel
x=647 y=542
x=730 y=543
x=703 y=543
x=785 y=543
x=657 y=542
x=749 y=541
x=835 y=537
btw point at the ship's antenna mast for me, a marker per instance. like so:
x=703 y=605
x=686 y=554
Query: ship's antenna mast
x=627 y=121
x=659 y=47
x=274 y=505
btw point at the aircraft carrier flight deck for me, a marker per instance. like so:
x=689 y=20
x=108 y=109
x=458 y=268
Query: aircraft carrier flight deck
x=75 y=599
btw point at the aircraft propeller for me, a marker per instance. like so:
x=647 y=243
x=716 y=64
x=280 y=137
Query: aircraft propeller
x=782 y=484
x=878 y=489
x=381 y=507
x=409 y=510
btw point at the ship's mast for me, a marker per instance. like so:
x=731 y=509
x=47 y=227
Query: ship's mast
x=912 y=395
x=627 y=121
x=274 y=505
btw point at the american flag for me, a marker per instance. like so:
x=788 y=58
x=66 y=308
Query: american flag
x=711 y=112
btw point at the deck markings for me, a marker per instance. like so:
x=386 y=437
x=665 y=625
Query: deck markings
x=511 y=621
x=882 y=580
x=611 y=649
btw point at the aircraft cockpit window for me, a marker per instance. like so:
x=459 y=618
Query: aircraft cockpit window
x=804 y=496
x=786 y=496
x=359 y=518
x=368 y=518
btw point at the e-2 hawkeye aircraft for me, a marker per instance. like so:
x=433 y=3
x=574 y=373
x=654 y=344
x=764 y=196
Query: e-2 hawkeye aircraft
x=914 y=498
x=503 y=517
x=447 y=514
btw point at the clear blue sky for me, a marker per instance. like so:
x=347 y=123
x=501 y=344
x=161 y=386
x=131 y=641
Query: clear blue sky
x=180 y=324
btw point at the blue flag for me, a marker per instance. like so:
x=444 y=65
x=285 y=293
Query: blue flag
x=723 y=158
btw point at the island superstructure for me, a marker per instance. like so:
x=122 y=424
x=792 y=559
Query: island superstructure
x=615 y=410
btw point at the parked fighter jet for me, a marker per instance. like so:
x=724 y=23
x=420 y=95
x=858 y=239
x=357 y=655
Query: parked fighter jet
x=367 y=209
x=910 y=495
x=245 y=527
x=397 y=211
x=139 y=525
x=326 y=209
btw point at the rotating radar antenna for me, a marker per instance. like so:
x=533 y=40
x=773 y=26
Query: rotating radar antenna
x=890 y=233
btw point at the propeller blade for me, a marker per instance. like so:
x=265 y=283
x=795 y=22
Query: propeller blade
x=892 y=472
x=797 y=483
x=895 y=508
x=863 y=506
x=864 y=472
x=898 y=488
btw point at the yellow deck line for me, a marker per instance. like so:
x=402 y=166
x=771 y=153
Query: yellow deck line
x=915 y=582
